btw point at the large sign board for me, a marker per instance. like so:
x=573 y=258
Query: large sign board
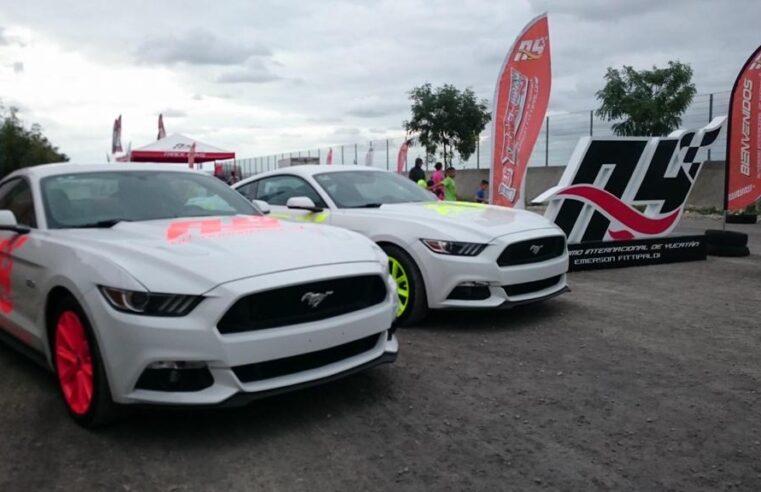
x=624 y=188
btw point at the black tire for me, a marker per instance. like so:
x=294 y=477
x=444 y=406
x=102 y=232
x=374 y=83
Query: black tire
x=719 y=238
x=730 y=251
x=102 y=409
x=741 y=218
x=417 y=306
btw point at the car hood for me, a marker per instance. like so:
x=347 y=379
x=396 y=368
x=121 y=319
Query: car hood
x=192 y=256
x=482 y=222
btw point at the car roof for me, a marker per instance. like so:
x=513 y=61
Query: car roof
x=58 y=168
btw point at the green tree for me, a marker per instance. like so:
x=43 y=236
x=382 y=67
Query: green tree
x=649 y=102
x=21 y=147
x=449 y=118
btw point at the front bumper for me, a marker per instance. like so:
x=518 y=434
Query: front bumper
x=129 y=343
x=443 y=273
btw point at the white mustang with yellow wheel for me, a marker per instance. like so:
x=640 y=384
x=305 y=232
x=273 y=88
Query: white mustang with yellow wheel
x=441 y=254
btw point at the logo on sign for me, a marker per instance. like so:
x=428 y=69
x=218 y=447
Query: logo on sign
x=756 y=64
x=530 y=49
x=627 y=188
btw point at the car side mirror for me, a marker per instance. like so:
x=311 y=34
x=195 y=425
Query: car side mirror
x=302 y=203
x=263 y=206
x=8 y=223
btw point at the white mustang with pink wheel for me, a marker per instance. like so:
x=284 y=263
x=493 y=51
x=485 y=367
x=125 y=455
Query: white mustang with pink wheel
x=139 y=284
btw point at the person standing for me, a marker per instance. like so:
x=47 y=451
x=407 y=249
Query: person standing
x=448 y=185
x=482 y=194
x=438 y=177
x=417 y=173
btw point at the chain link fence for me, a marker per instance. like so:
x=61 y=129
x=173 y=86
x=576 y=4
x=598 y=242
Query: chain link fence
x=558 y=138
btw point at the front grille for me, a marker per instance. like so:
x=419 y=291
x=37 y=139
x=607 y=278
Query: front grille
x=532 y=251
x=299 y=303
x=260 y=371
x=529 y=287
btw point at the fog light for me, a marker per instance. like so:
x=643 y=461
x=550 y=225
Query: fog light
x=177 y=364
x=175 y=376
x=470 y=291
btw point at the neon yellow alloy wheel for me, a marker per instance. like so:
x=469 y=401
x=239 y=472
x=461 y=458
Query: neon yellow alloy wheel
x=402 y=284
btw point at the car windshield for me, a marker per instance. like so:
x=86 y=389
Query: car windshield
x=357 y=189
x=102 y=199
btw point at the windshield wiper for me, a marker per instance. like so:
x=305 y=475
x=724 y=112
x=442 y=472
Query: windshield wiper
x=369 y=205
x=101 y=224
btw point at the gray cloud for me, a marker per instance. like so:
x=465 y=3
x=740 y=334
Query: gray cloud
x=601 y=9
x=375 y=106
x=374 y=112
x=248 y=75
x=198 y=47
x=352 y=64
x=18 y=67
x=173 y=113
x=324 y=119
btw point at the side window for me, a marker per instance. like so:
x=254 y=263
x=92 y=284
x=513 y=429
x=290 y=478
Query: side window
x=248 y=190
x=278 y=189
x=16 y=196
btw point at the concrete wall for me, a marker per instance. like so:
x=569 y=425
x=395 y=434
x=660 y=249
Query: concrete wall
x=707 y=192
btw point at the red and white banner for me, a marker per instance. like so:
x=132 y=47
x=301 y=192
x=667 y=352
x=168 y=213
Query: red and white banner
x=401 y=158
x=116 y=136
x=743 y=174
x=520 y=103
x=329 y=158
x=162 y=130
x=192 y=156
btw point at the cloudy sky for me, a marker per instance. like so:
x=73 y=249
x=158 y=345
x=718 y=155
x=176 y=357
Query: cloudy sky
x=265 y=76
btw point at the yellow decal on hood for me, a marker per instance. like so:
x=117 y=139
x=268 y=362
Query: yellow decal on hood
x=450 y=209
x=317 y=218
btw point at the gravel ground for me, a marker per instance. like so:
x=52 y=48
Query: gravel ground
x=644 y=378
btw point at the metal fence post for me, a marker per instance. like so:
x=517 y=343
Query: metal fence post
x=356 y=156
x=591 y=122
x=478 y=152
x=387 y=161
x=547 y=141
x=342 y=155
x=710 y=117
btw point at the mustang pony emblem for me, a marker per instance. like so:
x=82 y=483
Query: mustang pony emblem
x=314 y=299
x=536 y=248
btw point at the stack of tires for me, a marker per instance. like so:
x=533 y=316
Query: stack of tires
x=727 y=243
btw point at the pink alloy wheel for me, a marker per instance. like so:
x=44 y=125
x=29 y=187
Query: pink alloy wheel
x=74 y=362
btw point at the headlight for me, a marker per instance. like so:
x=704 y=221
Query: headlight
x=148 y=303
x=453 y=247
x=382 y=258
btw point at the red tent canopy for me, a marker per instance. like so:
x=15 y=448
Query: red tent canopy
x=175 y=148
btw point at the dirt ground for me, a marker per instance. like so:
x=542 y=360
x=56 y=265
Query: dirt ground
x=644 y=378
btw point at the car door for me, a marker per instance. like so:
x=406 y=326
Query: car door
x=21 y=258
x=276 y=190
